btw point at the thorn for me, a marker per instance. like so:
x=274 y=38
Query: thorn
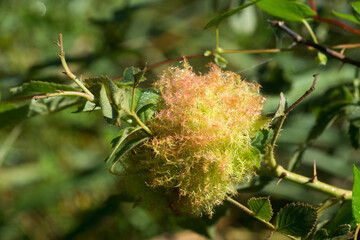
x=314 y=178
x=280 y=179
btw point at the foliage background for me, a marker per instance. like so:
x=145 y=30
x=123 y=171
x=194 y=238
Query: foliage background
x=53 y=182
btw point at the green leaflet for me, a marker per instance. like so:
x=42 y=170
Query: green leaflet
x=288 y=10
x=348 y=17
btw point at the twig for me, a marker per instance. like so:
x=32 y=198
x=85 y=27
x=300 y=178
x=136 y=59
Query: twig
x=357 y=232
x=331 y=21
x=299 y=39
x=312 y=88
x=66 y=67
x=66 y=93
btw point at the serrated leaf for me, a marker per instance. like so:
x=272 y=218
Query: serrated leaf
x=348 y=17
x=289 y=10
x=356 y=6
x=126 y=148
x=217 y=20
x=356 y=195
x=118 y=142
x=261 y=139
x=40 y=87
x=296 y=219
x=261 y=207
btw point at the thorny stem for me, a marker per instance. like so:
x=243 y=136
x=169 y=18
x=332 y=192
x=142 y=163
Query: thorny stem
x=282 y=173
x=66 y=93
x=67 y=70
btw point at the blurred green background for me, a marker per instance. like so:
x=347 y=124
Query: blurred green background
x=53 y=181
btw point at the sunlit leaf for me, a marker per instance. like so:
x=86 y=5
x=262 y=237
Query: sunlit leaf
x=356 y=6
x=261 y=207
x=288 y=10
x=348 y=17
x=217 y=20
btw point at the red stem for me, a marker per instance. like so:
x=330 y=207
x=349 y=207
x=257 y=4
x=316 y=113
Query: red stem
x=338 y=24
x=331 y=21
x=313 y=5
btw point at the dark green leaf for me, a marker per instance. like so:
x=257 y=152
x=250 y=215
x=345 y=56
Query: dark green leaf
x=348 y=17
x=321 y=235
x=356 y=6
x=125 y=149
x=11 y=114
x=261 y=139
x=41 y=87
x=147 y=112
x=354 y=133
x=289 y=10
x=118 y=142
x=296 y=219
x=356 y=195
x=261 y=207
x=342 y=232
x=217 y=20
x=352 y=113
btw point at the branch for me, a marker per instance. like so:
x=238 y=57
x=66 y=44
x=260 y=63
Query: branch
x=66 y=67
x=299 y=39
x=312 y=88
x=65 y=93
